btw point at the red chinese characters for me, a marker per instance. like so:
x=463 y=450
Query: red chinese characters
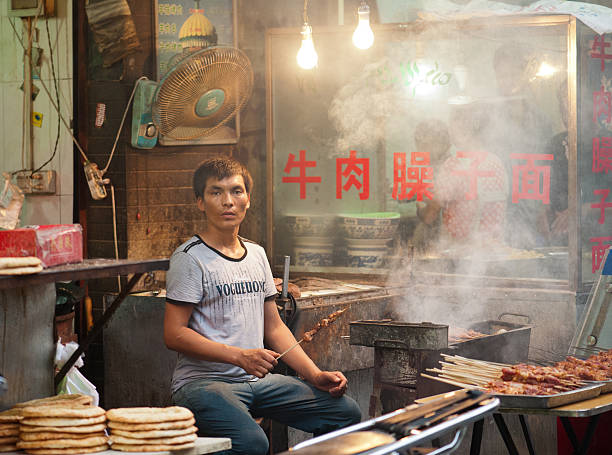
x=598 y=50
x=302 y=179
x=353 y=169
x=417 y=179
x=602 y=105
x=602 y=205
x=526 y=178
x=602 y=154
x=472 y=187
x=473 y=172
x=598 y=251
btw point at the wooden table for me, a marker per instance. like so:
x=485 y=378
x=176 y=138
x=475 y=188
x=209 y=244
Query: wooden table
x=28 y=305
x=202 y=446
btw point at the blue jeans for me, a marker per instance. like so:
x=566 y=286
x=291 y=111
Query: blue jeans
x=226 y=409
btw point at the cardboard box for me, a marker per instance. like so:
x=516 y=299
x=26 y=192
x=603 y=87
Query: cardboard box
x=54 y=244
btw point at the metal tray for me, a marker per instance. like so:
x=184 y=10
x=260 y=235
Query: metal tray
x=549 y=401
x=606 y=386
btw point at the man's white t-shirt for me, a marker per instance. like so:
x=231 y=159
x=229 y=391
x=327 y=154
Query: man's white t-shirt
x=227 y=295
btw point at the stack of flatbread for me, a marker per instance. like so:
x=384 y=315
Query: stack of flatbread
x=64 y=424
x=151 y=429
x=20 y=266
x=9 y=429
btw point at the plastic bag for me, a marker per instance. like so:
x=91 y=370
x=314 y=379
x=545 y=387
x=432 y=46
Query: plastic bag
x=74 y=381
x=11 y=201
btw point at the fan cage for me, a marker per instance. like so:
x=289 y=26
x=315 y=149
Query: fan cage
x=222 y=68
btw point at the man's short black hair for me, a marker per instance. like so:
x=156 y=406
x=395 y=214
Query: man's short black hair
x=219 y=168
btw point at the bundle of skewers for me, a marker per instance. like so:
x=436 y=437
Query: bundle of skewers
x=521 y=379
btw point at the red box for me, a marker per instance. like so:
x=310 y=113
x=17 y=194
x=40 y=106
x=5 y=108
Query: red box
x=54 y=244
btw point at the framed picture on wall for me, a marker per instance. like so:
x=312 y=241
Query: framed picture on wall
x=186 y=26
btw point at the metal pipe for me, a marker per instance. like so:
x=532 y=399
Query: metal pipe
x=285 y=277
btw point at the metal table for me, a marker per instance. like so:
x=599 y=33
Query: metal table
x=590 y=409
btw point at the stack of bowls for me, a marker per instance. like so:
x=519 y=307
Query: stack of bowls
x=368 y=236
x=312 y=244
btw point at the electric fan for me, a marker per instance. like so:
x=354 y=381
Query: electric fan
x=195 y=99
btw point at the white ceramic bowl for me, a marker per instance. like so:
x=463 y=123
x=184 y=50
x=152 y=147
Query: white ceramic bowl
x=312 y=251
x=374 y=225
x=309 y=225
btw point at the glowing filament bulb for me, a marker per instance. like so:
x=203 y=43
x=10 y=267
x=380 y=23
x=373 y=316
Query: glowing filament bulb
x=307 y=56
x=546 y=70
x=363 y=37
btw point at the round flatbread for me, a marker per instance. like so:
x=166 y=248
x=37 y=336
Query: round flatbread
x=63 y=411
x=63 y=443
x=62 y=421
x=73 y=430
x=149 y=415
x=8 y=440
x=6 y=433
x=8 y=448
x=175 y=424
x=9 y=426
x=47 y=435
x=27 y=261
x=68 y=451
x=21 y=270
x=65 y=399
x=11 y=415
x=151 y=447
x=176 y=440
x=154 y=433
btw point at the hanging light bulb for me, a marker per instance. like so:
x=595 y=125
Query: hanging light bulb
x=363 y=37
x=307 y=56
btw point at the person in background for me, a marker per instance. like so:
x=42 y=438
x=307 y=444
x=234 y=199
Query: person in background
x=471 y=186
x=518 y=126
x=555 y=221
x=220 y=311
x=430 y=136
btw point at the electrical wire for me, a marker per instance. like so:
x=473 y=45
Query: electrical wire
x=305 y=11
x=55 y=84
x=56 y=107
x=115 y=232
x=127 y=107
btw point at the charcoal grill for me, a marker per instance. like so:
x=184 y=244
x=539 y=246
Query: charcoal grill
x=404 y=350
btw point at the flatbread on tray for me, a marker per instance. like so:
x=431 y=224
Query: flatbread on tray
x=62 y=421
x=66 y=399
x=21 y=270
x=9 y=431
x=8 y=440
x=47 y=435
x=175 y=440
x=8 y=448
x=154 y=433
x=151 y=447
x=13 y=262
x=148 y=415
x=63 y=443
x=68 y=451
x=10 y=416
x=73 y=430
x=63 y=411
x=175 y=424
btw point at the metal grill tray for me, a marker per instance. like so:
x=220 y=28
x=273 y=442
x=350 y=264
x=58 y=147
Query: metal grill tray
x=606 y=386
x=549 y=401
